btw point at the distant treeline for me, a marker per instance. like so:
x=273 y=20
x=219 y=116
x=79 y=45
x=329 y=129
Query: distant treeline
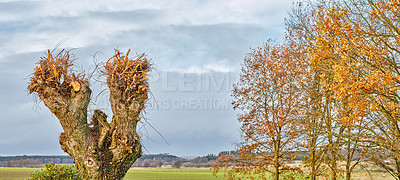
x=33 y=161
x=149 y=160
x=171 y=161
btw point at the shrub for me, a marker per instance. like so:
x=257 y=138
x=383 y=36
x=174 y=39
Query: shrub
x=57 y=172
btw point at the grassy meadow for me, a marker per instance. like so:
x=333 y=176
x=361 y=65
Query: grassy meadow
x=171 y=174
x=15 y=173
x=133 y=174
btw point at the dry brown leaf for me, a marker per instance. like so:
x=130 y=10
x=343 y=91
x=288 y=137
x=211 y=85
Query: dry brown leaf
x=75 y=85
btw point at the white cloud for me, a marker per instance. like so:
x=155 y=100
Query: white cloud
x=213 y=67
x=84 y=23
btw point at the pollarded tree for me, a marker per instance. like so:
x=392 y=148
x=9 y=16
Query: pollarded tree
x=101 y=150
x=268 y=97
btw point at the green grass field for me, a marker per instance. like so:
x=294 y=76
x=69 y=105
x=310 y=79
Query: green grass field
x=133 y=174
x=151 y=173
x=170 y=174
x=15 y=173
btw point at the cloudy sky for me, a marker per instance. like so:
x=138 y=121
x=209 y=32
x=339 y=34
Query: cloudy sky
x=196 y=48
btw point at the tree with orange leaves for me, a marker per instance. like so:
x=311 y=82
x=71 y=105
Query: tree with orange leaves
x=333 y=127
x=349 y=54
x=321 y=146
x=312 y=129
x=101 y=150
x=267 y=95
x=357 y=48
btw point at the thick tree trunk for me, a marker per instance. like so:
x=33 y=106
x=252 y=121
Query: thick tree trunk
x=103 y=150
x=100 y=150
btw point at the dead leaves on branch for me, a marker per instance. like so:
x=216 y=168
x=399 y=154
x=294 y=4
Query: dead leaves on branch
x=128 y=75
x=75 y=85
x=55 y=72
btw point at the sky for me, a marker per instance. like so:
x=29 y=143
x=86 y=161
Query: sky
x=196 y=48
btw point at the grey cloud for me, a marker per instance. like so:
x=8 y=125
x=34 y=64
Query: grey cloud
x=180 y=37
x=21 y=36
x=193 y=112
x=15 y=9
x=183 y=46
x=14 y=26
x=131 y=16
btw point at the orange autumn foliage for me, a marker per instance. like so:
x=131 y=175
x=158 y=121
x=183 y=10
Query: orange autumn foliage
x=356 y=48
x=350 y=53
x=267 y=95
x=352 y=65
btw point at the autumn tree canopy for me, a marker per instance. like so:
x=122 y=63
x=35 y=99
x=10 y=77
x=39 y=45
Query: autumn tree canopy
x=268 y=97
x=347 y=55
